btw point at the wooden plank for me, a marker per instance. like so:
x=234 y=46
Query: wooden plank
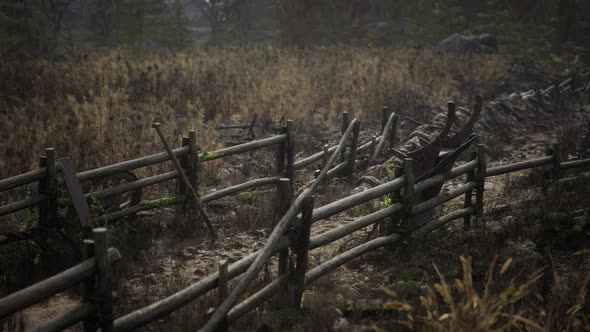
x=76 y=193
x=52 y=285
x=353 y=149
x=468 y=201
x=90 y=322
x=257 y=299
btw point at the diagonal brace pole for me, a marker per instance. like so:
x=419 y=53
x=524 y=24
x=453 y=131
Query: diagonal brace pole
x=195 y=198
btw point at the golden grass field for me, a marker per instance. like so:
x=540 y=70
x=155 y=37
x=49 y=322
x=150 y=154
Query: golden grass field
x=97 y=108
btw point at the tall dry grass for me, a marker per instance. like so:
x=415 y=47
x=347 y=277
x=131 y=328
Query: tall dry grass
x=97 y=108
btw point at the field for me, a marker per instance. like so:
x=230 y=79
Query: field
x=519 y=267
x=98 y=108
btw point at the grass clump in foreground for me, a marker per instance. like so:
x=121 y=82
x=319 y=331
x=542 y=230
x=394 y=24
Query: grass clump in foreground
x=501 y=305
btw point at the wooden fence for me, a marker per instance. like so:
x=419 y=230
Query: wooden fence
x=291 y=234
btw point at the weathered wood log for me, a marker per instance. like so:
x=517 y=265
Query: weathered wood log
x=129 y=186
x=353 y=149
x=441 y=221
x=396 y=184
x=104 y=279
x=22 y=179
x=102 y=172
x=48 y=187
x=468 y=202
x=90 y=322
x=312 y=159
x=335 y=262
x=289 y=171
x=240 y=187
x=480 y=178
x=52 y=285
x=66 y=319
x=223 y=289
x=504 y=169
x=140 y=207
x=300 y=249
x=443 y=198
x=22 y=204
x=384 y=138
x=281 y=154
x=255 y=145
x=556 y=165
x=575 y=164
x=332 y=235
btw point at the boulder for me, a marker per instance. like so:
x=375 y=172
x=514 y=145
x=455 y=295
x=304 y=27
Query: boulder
x=460 y=43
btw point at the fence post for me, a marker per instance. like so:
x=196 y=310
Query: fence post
x=353 y=147
x=281 y=153
x=556 y=167
x=300 y=249
x=408 y=194
x=469 y=195
x=384 y=117
x=184 y=162
x=223 y=289
x=481 y=179
x=284 y=202
x=48 y=187
x=104 y=279
x=546 y=172
x=386 y=226
x=373 y=146
x=88 y=289
x=325 y=156
x=193 y=160
x=290 y=171
x=393 y=134
x=345 y=124
x=557 y=96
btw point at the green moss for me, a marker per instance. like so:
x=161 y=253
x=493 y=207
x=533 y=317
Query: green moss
x=209 y=156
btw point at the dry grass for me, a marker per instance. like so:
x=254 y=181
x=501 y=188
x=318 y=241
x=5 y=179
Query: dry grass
x=500 y=303
x=97 y=108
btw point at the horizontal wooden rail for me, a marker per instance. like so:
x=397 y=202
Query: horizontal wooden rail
x=368 y=144
x=441 y=221
x=312 y=159
x=332 y=235
x=575 y=163
x=574 y=179
x=66 y=319
x=140 y=207
x=499 y=170
x=129 y=165
x=225 y=152
x=123 y=188
x=443 y=198
x=386 y=188
x=23 y=179
x=257 y=298
x=23 y=204
x=52 y=285
x=333 y=263
x=240 y=187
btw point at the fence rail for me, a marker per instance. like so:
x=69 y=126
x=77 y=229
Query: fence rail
x=406 y=195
